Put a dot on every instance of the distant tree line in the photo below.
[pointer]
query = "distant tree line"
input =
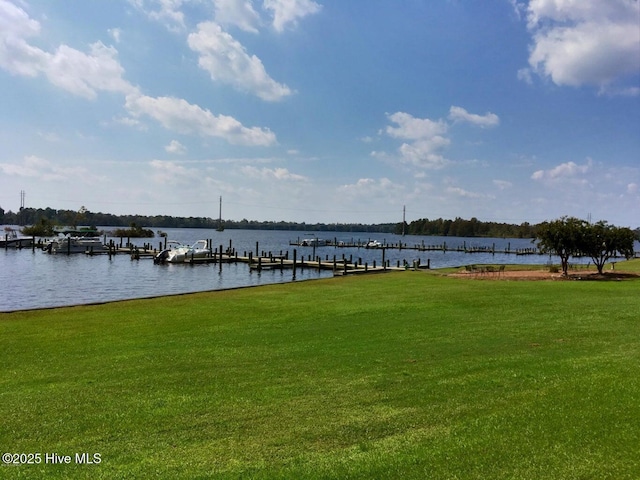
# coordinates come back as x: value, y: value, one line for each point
x: 469, y: 228
x: 49, y: 217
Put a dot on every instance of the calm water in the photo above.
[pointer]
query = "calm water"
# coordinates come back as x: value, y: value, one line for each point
x: 37, y: 280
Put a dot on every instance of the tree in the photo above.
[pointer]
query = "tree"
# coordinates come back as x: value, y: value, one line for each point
x: 44, y: 228
x: 602, y: 241
x: 562, y: 237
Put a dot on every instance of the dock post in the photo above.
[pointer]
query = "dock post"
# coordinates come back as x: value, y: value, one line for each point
x: 257, y: 251
x: 384, y: 265
x: 295, y: 255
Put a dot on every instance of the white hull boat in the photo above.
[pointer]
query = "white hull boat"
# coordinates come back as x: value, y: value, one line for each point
x: 179, y: 253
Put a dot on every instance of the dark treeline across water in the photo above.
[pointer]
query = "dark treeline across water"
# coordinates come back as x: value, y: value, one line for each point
x: 32, y: 216
x: 441, y: 227
x: 458, y: 227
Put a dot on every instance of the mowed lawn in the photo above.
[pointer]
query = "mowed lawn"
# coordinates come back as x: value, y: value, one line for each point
x: 399, y: 375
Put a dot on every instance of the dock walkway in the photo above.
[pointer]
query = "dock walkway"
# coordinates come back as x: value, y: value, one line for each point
x: 421, y: 247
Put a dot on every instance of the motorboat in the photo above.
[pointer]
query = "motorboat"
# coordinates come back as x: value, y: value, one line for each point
x: 180, y: 253
x: 311, y: 242
x: 373, y: 244
x: 89, y: 245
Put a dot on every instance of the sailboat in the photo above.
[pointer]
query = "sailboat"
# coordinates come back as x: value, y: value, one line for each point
x: 220, y: 225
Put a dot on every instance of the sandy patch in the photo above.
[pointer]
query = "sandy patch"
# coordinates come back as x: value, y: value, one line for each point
x: 544, y: 275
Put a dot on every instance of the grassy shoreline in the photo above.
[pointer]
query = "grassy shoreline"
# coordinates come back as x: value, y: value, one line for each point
x: 404, y: 375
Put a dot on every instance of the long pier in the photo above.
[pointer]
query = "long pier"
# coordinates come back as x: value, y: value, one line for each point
x: 421, y: 247
x: 269, y: 261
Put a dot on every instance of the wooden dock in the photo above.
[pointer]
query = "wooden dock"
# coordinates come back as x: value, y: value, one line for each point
x: 19, y: 242
x: 420, y: 247
x: 282, y: 262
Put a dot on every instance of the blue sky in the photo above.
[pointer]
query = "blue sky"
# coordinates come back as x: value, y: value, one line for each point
x: 323, y: 111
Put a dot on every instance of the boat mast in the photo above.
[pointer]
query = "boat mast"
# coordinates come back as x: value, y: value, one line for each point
x: 404, y: 211
x: 220, y: 227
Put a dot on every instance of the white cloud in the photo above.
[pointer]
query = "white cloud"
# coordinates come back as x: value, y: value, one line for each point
x: 426, y: 137
x: 115, y: 33
x: 502, y: 184
x: 83, y: 74
x: 130, y: 122
x: 49, y: 137
x: 176, y: 148
x: 172, y: 173
x: 228, y: 62
x: 371, y: 188
x: 16, y: 55
x: 461, y: 192
x: 180, y: 116
x: 279, y: 174
x: 42, y: 169
x: 31, y: 166
x: 632, y: 188
x: 287, y: 12
x: 459, y: 114
x: 166, y: 12
x: 563, y: 172
x: 585, y: 42
x: 411, y: 128
x: 424, y: 153
x: 237, y: 12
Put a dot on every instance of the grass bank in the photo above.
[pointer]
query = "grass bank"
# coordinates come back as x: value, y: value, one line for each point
x: 404, y: 375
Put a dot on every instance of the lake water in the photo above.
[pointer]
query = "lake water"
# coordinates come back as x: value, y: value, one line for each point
x: 34, y: 279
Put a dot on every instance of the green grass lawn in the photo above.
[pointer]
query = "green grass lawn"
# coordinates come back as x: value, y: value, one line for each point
x: 401, y: 375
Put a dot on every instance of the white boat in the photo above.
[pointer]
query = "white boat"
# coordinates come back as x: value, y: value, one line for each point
x: 310, y: 242
x: 179, y: 253
x: 373, y: 244
x: 76, y: 245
